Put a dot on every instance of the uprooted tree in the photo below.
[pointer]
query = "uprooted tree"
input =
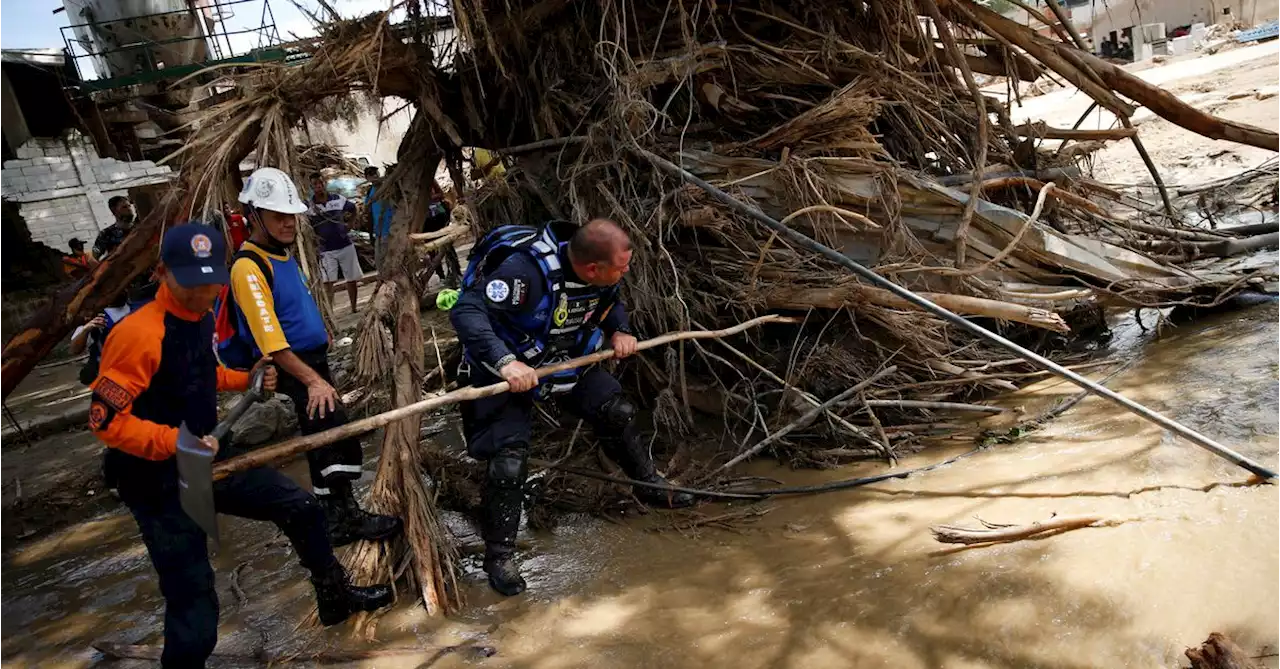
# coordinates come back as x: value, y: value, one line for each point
x: 861, y: 125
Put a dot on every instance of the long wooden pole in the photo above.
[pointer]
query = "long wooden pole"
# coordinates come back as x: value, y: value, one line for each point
x: 292, y: 447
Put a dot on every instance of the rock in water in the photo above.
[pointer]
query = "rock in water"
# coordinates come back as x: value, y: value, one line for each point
x: 1243, y: 300
x: 265, y: 422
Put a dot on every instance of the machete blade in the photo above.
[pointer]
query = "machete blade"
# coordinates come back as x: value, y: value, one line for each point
x: 195, y: 482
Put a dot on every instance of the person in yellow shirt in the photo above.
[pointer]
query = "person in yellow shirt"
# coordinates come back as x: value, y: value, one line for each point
x: 276, y: 315
x: 488, y: 165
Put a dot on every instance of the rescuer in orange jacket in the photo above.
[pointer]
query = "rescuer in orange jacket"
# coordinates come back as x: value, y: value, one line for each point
x: 159, y: 371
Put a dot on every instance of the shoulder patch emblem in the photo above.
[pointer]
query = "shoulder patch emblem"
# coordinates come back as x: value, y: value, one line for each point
x: 561, y: 315
x: 497, y: 290
x: 97, y: 416
x: 113, y: 394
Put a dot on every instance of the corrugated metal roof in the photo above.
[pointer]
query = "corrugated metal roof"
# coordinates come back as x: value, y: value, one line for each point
x: 37, y: 57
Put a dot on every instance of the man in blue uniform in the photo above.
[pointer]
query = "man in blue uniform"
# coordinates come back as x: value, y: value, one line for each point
x: 533, y: 297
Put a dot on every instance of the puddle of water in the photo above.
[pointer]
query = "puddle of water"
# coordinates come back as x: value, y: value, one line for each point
x: 837, y: 580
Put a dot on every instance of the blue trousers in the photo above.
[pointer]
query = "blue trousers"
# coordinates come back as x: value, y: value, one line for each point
x: 181, y: 560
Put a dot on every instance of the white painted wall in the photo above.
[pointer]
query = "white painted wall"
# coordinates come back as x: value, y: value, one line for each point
x: 63, y: 187
x: 1173, y: 13
x: 370, y: 138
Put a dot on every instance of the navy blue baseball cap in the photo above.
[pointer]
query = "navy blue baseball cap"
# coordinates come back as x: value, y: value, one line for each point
x: 196, y: 254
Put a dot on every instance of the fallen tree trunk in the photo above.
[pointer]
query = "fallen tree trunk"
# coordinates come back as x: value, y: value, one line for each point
x: 1220, y: 652
x: 289, y: 448
x: 1223, y: 248
x: 1101, y: 80
x: 1249, y: 229
x: 78, y: 303
x: 399, y: 487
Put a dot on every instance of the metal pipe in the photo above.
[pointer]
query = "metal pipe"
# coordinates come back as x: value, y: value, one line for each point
x: 1030, y: 356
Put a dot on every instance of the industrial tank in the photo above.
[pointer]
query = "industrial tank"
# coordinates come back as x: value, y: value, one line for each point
x: 131, y: 37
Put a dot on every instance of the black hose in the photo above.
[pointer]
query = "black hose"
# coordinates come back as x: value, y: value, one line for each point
x: 843, y: 484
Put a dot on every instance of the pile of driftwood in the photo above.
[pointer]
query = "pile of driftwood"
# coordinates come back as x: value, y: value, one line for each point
x: 860, y: 125
x: 863, y: 128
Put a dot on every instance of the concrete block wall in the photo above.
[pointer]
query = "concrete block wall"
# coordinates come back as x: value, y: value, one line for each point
x: 63, y: 186
x: 60, y: 219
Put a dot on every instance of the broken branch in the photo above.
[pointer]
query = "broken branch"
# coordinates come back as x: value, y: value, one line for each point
x: 805, y: 419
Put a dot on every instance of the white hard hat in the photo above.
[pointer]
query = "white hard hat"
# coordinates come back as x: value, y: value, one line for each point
x: 269, y: 188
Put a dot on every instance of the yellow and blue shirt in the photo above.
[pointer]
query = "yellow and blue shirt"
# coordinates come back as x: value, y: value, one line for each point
x: 279, y: 311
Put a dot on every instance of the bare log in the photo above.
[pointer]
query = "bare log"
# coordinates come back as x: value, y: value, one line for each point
x: 991, y: 533
x: 400, y: 487
x: 289, y: 448
x: 1060, y: 57
x: 1220, y: 652
x: 835, y: 298
x: 1223, y: 248
x: 1249, y: 229
x: 1042, y: 130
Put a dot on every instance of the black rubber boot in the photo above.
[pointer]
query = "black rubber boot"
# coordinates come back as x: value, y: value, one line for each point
x: 503, y: 501
x: 337, y: 599
x: 666, y: 499
x: 630, y: 454
x: 348, y: 523
x: 504, y: 573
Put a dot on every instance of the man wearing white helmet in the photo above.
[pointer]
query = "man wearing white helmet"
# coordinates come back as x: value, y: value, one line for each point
x: 275, y: 314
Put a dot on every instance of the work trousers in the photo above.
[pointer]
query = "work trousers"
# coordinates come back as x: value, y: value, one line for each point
x: 491, y: 424
x: 336, y: 465
x: 498, y: 429
x: 177, y: 548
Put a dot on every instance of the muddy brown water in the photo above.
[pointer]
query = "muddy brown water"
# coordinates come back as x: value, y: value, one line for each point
x: 849, y: 579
